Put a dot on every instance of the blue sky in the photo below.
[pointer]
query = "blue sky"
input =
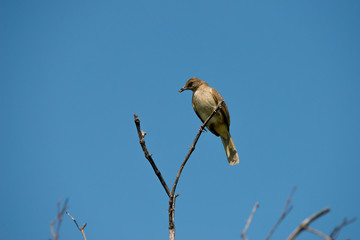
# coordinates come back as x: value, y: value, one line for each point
x: 73, y: 73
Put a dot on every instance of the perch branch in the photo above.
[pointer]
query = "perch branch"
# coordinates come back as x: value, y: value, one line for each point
x: 304, y: 224
x: 149, y: 157
x: 173, y: 196
x: 192, y: 148
x: 243, y: 233
x: 285, y: 211
x: 77, y: 225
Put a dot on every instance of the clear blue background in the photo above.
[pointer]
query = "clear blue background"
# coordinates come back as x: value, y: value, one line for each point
x: 73, y: 73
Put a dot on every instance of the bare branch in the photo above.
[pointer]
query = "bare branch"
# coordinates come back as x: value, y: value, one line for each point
x: 173, y: 196
x: 334, y: 234
x: 80, y: 228
x: 317, y: 232
x: 58, y: 219
x: 304, y: 224
x: 192, y: 148
x: 243, y: 233
x: 149, y: 156
x: 285, y: 211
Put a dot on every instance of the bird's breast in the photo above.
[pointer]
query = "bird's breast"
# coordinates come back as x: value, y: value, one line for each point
x: 204, y: 103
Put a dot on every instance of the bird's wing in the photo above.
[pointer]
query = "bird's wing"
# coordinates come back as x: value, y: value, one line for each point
x: 223, y: 110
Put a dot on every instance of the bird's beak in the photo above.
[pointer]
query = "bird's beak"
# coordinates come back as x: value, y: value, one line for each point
x: 183, y: 89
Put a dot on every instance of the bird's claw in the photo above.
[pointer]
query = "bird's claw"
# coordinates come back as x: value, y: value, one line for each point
x: 204, y: 129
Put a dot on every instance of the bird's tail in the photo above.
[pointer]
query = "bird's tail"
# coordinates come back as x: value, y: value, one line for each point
x: 230, y: 150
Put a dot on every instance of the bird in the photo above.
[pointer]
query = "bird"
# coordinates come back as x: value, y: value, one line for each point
x: 204, y: 100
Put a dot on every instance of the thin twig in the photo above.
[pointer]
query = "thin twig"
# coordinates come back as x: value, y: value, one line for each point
x: 77, y: 225
x: 149, y: 156
x: 248, y: 222
x: 285, y: 211
x: 58, y: 219
x: 334, y: 234
x: 317, y: 232
x: 304, y: 224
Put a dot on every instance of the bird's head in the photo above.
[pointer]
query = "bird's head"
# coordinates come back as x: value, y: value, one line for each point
x: 192, y: 84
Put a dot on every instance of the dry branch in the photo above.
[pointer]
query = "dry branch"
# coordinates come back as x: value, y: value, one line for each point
x: 172, y: 196
x: 77, y: 225
x: 248, y: 222
x: 334, y: 234
x: 305, y: 224
x: 285, y: 211
x: 148, y: 156
x: 317, y: 232
x: 58, y: 219
x: 192, y: 147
